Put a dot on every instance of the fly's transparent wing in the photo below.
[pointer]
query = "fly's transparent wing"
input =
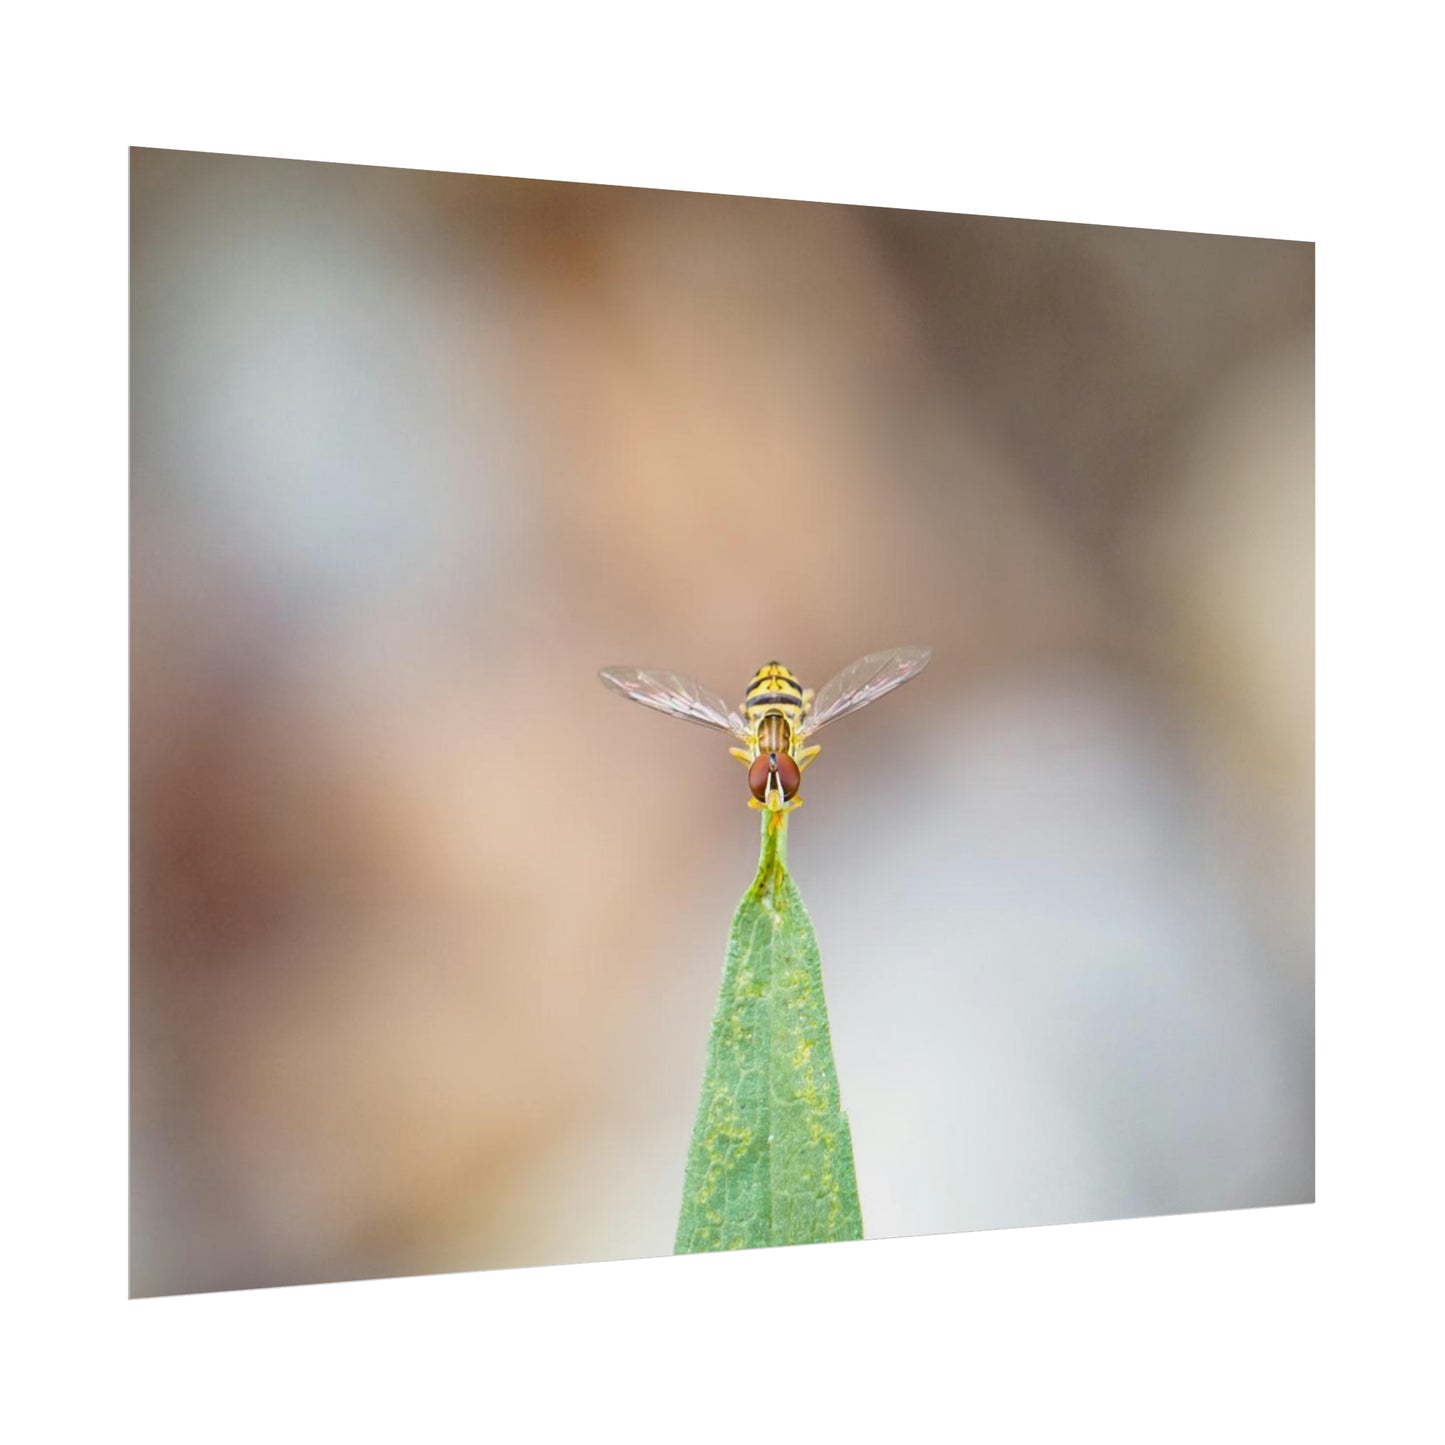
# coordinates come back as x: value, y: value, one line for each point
x: 674, y: 694
x: 863, y: 682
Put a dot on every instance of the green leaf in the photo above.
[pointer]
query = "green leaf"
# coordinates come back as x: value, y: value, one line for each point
x: 771, y: 1160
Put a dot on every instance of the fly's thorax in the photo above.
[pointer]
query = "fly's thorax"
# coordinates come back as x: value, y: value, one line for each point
x: 775, y: 733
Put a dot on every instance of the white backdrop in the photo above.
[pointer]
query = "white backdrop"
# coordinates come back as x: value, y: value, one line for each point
x: 1248, y: 119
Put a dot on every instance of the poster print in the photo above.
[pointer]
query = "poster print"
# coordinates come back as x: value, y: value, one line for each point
x: 444, y: 959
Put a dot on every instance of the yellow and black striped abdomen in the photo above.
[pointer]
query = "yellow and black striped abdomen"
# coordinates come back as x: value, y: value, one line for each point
x: 774, y: 691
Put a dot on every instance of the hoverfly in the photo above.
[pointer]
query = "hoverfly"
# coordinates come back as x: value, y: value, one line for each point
x: 778, y: 715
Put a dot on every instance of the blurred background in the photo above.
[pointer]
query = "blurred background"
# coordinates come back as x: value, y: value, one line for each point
x: 428, y: 926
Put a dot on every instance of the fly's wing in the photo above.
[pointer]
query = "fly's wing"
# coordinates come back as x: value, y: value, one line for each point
x: 863, y: 682
x: 674, y: 694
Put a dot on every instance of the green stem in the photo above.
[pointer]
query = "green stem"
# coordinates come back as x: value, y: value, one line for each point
x: 773, y: 857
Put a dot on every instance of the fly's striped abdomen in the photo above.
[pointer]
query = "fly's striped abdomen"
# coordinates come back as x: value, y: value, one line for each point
x: 774, y: 689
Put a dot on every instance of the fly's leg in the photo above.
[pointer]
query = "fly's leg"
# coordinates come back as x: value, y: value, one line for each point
x: 775, y: 803
x: 746, y: 755
x: 775, y: 821
x: 806, y: 756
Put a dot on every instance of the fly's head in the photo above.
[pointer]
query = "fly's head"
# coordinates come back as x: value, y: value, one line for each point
x: 774, y: 778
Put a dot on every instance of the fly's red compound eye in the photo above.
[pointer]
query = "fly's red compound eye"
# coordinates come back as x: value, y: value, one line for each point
x: 789, y: 775
x: 758, y: 776
x: 765, y: 766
